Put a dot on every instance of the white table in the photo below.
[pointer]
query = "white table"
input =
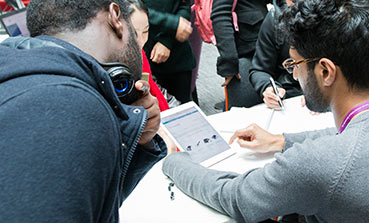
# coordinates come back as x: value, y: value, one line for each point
x: 151, y: 202
x: 3, y: 36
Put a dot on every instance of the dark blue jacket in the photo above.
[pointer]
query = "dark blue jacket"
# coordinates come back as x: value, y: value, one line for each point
x: 68, y: 147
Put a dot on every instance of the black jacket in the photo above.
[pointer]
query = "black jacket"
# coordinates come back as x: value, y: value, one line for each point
x: 68, y: 148
x: 233, y: 45
x: 271, y: 51
x: 164, y: 18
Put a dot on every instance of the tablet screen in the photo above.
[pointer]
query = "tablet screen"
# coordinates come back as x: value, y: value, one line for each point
x: 15, y: 23
x: 194, y: 134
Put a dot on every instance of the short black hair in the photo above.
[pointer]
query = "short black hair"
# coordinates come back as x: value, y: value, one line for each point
x: 333, y: 29
x: 48, y: 17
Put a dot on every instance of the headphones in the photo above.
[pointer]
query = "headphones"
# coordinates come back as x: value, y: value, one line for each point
x: 123, y: 82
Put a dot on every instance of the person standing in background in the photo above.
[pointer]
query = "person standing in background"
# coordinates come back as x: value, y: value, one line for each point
x: 139, y: 13
x: 170, y: 54
x: 236, y: 49
x: 271, y: 51
x: 196, y: 44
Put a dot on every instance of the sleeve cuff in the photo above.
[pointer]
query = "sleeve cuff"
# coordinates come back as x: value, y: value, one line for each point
x: 288, y: 143
x: 166, y: 41
x: 156, y: 146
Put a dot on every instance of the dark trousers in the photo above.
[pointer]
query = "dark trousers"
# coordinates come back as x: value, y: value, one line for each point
x: 177, y: 84
x: 240, y: 92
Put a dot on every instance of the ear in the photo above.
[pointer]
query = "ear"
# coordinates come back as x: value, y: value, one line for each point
x: 114, y: 19
x: 327, y: 71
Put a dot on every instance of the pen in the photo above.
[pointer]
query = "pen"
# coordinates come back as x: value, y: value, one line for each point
x: 276, y: 92
x: 269, y: 120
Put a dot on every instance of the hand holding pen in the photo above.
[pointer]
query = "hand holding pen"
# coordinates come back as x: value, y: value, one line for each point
x: 273, y: 96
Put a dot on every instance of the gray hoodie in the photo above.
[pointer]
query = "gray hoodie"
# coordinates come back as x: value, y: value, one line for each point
x: 320, y: 174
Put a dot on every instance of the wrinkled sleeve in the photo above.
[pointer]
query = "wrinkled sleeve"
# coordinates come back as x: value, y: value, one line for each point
x: 221, y: 17
x: 264, y: 62
x: 291, y: 138
x: 281, y: 187
x: 169, y: 22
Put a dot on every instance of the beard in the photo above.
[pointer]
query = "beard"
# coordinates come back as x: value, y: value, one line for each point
x: 130, y: 54
x: 315, y: 100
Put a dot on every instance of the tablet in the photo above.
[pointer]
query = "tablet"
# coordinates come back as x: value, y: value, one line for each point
x: 189, y: 128
x: 15, y: 23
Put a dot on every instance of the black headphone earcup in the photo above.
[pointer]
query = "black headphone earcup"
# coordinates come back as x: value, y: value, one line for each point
x: 123, y: 81
x: 116, y: 71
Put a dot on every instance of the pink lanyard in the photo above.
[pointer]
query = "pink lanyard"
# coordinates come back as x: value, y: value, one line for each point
x: 352, y: 113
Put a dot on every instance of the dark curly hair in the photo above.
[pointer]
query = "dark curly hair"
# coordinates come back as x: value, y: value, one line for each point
x: 334, y: 29
x: 48, y: 17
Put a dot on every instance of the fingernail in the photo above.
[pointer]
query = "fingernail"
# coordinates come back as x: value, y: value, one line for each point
x: 139, y: 85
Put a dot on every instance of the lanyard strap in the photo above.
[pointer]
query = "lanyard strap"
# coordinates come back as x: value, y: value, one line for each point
x: 352, y: 113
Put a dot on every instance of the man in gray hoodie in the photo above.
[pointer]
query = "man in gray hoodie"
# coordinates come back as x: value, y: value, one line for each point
x: 322, y: 174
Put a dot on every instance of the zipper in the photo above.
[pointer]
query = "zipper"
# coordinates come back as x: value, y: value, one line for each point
x: 134, y: 145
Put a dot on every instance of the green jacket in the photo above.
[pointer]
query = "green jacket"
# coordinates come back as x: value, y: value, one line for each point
x: 164, y: 18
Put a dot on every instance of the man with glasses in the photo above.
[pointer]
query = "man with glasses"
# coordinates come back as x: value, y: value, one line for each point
x: 320, y: 174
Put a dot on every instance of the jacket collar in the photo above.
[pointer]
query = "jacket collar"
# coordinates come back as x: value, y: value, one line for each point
x: 71, y: 61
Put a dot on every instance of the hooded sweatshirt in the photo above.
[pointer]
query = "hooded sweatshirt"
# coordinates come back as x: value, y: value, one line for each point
x: 68, y: 148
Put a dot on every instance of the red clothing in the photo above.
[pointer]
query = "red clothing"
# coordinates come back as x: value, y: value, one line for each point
x: 5, y: 7
x: 154, y: 89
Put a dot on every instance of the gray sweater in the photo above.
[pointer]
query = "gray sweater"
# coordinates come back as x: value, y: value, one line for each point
x: 321, y: 175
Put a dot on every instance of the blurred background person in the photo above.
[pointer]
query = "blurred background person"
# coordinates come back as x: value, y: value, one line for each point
x: 236, y: 49
x: 271, y: 51
x: 139, y: 17
x: 170, y: 54
x: 196, y: 45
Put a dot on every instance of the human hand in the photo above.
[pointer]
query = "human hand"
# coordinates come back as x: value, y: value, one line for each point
x: 171, y: 146
x: 184, y: 29
x: 271, y: 99
x: 254, y: 137
x: 303, y: 103
x: 228, y: 80
x: 150, y: 104
x: 159, y: 53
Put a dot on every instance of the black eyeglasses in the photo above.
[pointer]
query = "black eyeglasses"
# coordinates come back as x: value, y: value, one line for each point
x: 290, y: 63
